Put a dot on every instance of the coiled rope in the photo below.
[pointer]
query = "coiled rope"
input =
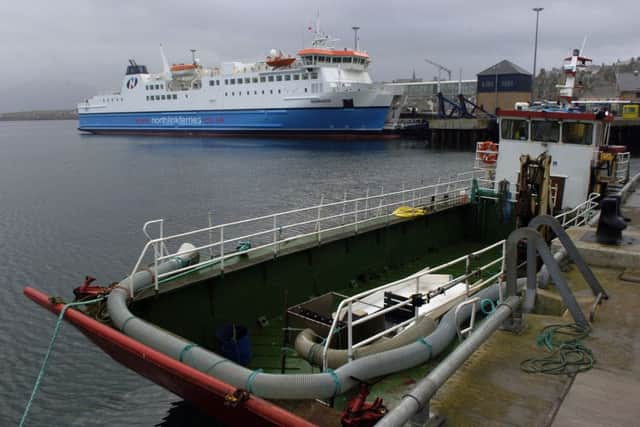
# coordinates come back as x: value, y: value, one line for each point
x: 568, y: 356
x: 43, y: 367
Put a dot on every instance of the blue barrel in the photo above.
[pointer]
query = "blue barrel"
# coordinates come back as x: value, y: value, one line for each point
x: 235, y: 344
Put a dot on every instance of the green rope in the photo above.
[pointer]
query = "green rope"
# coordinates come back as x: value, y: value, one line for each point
x: 569, y: 356
x: 43, y: 367
x: 427, y: 344
x: 252, y: 378
x: 184, y: 351
x: 483, y: 306
x: 336, y: 381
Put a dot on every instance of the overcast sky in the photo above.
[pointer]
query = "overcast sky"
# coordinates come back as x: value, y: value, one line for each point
x: 56, y: 52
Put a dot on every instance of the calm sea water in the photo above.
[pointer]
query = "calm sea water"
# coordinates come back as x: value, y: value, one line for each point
x: 72, y: 205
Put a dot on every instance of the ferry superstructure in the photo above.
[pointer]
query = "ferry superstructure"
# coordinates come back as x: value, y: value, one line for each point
x: 321, y: 90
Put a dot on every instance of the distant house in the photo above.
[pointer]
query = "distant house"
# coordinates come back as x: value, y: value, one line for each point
x: 502, y: 85
x: 628, y: 85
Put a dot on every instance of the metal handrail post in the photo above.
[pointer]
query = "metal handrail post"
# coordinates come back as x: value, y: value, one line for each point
x: 366, y: 204
x: 210, y: 219
x: 350, y: 331
x: 319, y: 216
x: 222, y: 249
x: 275, y: 234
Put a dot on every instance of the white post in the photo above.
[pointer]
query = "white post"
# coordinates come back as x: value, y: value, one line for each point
x: 318, y: 220
x: 222, y: 248
x: 275, y: 234
x: 356, y: 215
x: 381, y: 200
x: 344, y: 207
x: 210, y: 218
x: 366, y: 204
x: 349, y: 332
x: 155, y: 266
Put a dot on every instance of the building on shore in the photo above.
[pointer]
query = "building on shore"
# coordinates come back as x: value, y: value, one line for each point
x: 502, y: 85
x: 628, y: 85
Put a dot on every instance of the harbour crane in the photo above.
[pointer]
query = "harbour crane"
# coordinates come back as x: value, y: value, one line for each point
x: 440, y: 68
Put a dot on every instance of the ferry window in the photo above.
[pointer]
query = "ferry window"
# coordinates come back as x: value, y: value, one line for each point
x: 239, y: 93
x: 239, y: 81
x: 175, y: 96
x: 226, y: 94
x: 217, y: 82
x: 147, y: 97
x: 254, y: 79
x: 271, y: 91
x: 270, y: 78
x: 161, y: 86
x: 314, y: 75
x: 233, y: 94
x: 347, y: 60
x: 514, y: 129
x: 305, y: 77
x: 278, y: 78
x: 279, y: 91
x: 211, y: 83
x: 263, y: 79
x: 232, y: 81
x: 305, y: 90
x: 336, y: 60
x: 157, y: 97
x: 296, y: 77
x: 545, y: 131
x: 162, y: 97
x: 577, y: 133
x: 226, y: 81
x: 263, y: 92
x: 255, y: 92
x: 247, y: 80
x: 248, y: 93
x: 287, y: 77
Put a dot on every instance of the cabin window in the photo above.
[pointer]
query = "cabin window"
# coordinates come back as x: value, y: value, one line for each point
x: 577, y: 133
x: 279, y: 91
x: 263, y: 79
x: 254, y: 80
x: 175, y: 96
x: 271, y: 91
x: 263, y: 92
x: 226, y: 81
x: 157, y: 97
x: 255, y: 92
x: 305, y: 77
x: 270, y: 78
x: 514, y: 129
x: 233, y: 94
x: 162, y: 97
x: 278, y: 78
x: 248, y: 93
x: 232, y: 81
x: 217, y: 82
x: 306, y: 90
x: 545, y: 131
x: 211, y: 83
x: 347, y: 60
x: 314, y: 75
x: 240, y: 81
x: 247, y: 80
x: 296, y: 77
x: 336, y: 60
x: 226, y: 94
x: 287, y: 77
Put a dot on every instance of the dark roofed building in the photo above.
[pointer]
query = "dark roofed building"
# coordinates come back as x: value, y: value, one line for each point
x: 502, y: 85
x: 628, y: 85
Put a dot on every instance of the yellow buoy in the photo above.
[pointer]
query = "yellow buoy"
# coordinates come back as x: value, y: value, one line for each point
x: 409, y: 212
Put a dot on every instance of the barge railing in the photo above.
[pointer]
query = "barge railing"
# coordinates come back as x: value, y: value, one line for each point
x: 275, y: 231
x: 470, y: 288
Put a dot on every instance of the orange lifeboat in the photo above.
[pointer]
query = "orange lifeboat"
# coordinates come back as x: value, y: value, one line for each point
x: 280, y: 61
x: 182, y: 67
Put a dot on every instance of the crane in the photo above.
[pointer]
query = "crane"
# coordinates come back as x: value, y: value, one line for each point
x: 440, y: 68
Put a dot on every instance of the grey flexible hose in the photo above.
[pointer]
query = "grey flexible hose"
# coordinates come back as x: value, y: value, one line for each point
x: 277, y: 386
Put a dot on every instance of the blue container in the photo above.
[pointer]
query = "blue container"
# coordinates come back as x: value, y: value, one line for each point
x: 235, y: 344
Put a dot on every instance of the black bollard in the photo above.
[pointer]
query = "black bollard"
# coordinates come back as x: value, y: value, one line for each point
x: 611, y: 223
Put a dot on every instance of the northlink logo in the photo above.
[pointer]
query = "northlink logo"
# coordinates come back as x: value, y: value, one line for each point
x: 132, y: 82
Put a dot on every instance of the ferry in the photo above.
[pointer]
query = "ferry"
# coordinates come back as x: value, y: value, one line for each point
x: 187, y: 312
x: 321, y: 90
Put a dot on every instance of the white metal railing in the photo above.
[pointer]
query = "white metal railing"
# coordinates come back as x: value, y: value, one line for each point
x: 463, y: 261
x: 276, y: 231
x: 623, y: 164
x: 581, y: 214
x: 575, y: 217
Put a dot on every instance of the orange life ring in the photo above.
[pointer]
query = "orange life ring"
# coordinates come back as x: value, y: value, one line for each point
x: 488, y: 158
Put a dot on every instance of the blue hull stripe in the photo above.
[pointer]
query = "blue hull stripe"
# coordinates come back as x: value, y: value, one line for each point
x: 298, y: 119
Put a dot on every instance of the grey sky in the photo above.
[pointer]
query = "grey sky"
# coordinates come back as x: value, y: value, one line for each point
x: 55, y: 53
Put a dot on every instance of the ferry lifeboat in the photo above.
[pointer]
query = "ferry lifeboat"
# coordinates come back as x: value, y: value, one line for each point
x: 183, y: 70
x: 277, y: 59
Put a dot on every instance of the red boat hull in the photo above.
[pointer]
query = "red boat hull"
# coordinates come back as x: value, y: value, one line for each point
x: 204, y: 391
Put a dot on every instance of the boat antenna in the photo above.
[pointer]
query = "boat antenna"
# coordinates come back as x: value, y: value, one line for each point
x: 584, y: 42
x: 165, y: 64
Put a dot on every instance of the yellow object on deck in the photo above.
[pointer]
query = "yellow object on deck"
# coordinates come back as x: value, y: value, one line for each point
x: 409, y: 212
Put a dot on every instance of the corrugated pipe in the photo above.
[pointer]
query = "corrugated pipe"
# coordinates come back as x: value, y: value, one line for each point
x: 277, y: 386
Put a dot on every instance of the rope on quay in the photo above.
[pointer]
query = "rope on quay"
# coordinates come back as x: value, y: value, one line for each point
x: 43, y: 367
x: 568, y: 356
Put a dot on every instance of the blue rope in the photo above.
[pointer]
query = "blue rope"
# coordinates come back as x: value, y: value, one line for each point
x: 212, y: 367
x: 336, y: 381
x: 124, y: 324
x: 426, y: 344
x: 252, y: 378
x: 43, y: 367
x: 483, y: 305
x: 184, y: 351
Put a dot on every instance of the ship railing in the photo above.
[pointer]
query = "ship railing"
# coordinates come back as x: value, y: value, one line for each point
x: 471, y: 277
x: 623, y: 165
x: 270, y: 234
x: 581, y: 214
x: 474, y: 278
